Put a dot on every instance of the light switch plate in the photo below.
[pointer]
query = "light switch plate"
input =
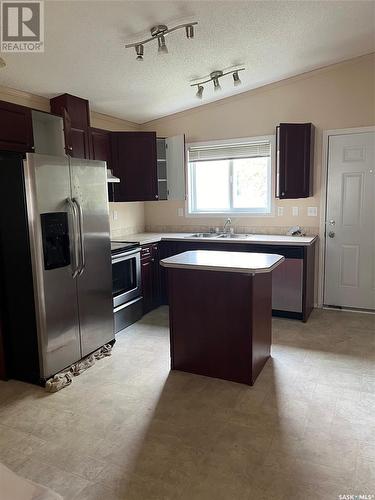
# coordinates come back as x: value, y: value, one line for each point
x: 180, y: 212
x: 280, y: 211
x: 312, y: 211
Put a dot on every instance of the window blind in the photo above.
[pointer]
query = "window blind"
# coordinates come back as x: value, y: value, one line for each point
x: 229, y: 151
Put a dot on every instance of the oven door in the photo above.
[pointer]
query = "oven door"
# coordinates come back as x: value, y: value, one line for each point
x: 126, y: 277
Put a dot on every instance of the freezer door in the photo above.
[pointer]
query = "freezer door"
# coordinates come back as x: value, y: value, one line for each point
x: 53, y: 238
x: 94, y: 282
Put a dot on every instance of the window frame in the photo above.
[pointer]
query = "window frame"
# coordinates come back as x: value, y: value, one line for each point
x: 234, y: 212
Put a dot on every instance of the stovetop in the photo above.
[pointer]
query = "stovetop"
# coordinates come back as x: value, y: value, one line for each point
x: 121, y: 246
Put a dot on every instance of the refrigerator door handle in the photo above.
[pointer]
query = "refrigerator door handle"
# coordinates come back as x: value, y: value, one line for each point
x: 75, y: 268
x: 81, y: 237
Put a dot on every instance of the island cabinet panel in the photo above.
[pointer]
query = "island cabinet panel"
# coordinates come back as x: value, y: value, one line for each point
x: 294, y: 160
x: 76, y: 115
x: 134, y: 161
x: 16, y: 128
x: 150, y: 274
x: 216, y: 333
x: 293, y: 291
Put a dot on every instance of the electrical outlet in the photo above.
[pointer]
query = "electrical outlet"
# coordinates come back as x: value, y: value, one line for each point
x: 280, y: 211
x: 115, y: 215
x: 312, y: 211
x: 180, y: 212
x: 295, y: 211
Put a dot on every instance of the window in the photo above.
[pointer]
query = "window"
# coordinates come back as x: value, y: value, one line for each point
x: 230, y: 177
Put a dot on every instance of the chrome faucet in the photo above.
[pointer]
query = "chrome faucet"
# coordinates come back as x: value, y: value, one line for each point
x: 227, y: 223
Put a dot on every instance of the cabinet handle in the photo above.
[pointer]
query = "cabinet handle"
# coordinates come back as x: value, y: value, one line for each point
x: 70, y: 148
x: 156, y: 196
x: 152, y: 260
x: 283, y: 193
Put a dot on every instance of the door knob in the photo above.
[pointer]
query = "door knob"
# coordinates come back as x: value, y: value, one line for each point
x: 332, y: 222
x: 331, y: 234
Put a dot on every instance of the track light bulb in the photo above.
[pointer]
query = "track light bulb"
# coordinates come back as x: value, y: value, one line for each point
x: 189, y: 31
x: 199, y: 93
x: 139, y: 50
x: 217, y: 85
x: 236, y: 79
x: 162, y: 46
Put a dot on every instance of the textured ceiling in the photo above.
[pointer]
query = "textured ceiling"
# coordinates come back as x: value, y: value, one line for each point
x: 85, y: 55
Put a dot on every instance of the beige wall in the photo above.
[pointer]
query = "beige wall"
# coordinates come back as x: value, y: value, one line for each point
x: 125, y: 218
x: 338, y: 96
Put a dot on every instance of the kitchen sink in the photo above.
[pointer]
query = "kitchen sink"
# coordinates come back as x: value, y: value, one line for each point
x: 202, y: 235
x: 232, y: 236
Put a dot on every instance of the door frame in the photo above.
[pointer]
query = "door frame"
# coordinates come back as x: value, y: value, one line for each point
x: 323, y: 199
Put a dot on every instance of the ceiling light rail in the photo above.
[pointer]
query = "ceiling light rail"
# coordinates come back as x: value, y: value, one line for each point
x: 214, y: 78
x: 159, y: 33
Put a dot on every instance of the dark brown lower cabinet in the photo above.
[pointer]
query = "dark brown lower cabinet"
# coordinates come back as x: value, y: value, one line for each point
x: 150, y: 273
x: 293, y: 254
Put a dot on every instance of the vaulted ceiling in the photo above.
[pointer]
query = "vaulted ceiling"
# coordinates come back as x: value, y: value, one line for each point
x: 85, y: 55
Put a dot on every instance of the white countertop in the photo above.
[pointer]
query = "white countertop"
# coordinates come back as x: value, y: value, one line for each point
x: 269, y: 239
x: 233, y: 262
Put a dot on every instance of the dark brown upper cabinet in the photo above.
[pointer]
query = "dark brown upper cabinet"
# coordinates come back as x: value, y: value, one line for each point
x: 100, y: 145
x: 294, y: 160
x: 16, y: 129
x: 133, y: 160
x: 76, y: 114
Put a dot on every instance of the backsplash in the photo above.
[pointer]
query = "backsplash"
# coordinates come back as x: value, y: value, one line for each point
x: 201, y: 228
x: 126, y: 218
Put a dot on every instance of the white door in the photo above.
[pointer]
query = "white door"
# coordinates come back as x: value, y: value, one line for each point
x: 350, y: 222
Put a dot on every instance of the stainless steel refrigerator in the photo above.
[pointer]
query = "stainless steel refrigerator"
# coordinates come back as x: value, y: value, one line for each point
x: 56, y: 281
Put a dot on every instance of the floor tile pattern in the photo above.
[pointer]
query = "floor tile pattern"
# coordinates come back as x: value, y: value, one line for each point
x: 130, y: 429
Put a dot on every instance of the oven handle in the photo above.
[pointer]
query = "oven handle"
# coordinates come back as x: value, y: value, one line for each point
x: 127, y: 304
x: 125, y: 255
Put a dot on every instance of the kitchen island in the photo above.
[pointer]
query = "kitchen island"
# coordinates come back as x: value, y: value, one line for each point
x: 221, y: 312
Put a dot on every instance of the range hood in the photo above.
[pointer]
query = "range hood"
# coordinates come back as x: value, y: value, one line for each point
x: 111, y: 177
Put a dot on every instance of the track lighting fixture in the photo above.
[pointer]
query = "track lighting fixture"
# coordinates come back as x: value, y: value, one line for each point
x: 2, y: 63
x: 139, y: 50
x: 200, y: 90
x: 162, y: 48
x: 189, y: 31
x: 214, y: 78
x: 215, y: 75
x: 236, y: 79
x: 159, y: 32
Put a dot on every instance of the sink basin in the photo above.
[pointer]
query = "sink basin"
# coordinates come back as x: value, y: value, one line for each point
x: 233, y: 236
x: 202, y: 235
